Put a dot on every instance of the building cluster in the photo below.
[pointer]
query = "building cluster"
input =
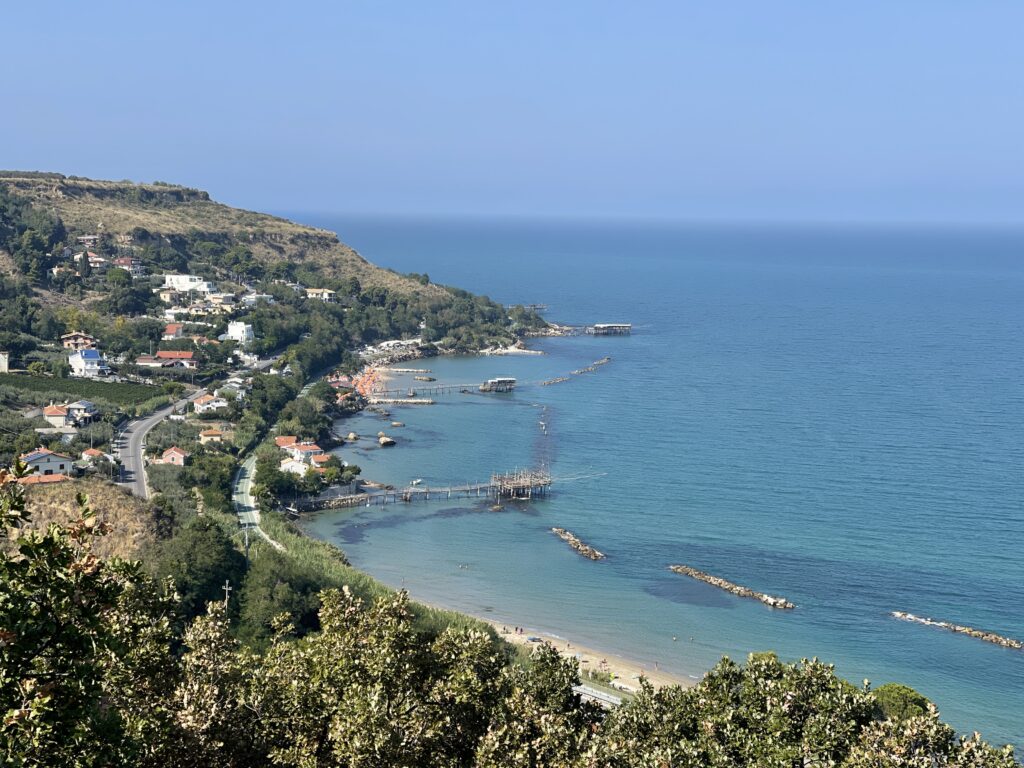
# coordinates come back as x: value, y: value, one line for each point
x: 301, y: 456
x: 46, y: 466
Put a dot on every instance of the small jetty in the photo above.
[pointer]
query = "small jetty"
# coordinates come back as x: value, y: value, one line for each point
x: 400, y: 401
x: 500, y: 384
x: 609, y: 329
x: 424, y: 378
x: 980, y: 634
x: 573, y: 541
x: 408, y: 370
x: 770, y: 600
x: 557, y: 380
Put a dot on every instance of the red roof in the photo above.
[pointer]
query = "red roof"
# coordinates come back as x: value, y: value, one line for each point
x: 95, y: 453
x: 204, y: 399
x: 173, y: 354
x: 307, y: 448
x: 41, y: 479
x: 55, y: 410
x: 210, y: 433
x: 174, y: 451
x: 321, y: 458
x: 173, y: 327
x: 285, y: 440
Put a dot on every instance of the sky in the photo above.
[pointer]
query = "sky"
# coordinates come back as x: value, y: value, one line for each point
x: 786, y: 110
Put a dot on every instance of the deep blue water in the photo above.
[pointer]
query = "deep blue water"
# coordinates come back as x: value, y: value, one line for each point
x: 832, y: 415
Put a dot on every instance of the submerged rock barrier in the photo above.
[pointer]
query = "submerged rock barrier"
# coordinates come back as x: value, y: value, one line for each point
x: 770, y: 600
x: 584, y: 549
x: 980, y: 634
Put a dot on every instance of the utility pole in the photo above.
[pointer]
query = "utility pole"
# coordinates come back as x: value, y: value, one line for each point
x: 227, y: 592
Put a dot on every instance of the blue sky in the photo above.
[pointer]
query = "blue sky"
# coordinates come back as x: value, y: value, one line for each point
x: 745, y: 109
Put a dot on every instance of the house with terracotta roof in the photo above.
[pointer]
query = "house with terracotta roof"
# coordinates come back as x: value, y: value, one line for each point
x: 175, y: 455
x: 173, y: 331
x: 77, y: 340
x: 284, y: 441
x: 92, y: 454
x: 320, y: 460
x: 46, y: 462
x: 303, y: 451
x: 210, y: 436
x: 294, y: 466
x: 57, y: 415
x: 37, y: 479
x: 177, y: 358
x: 207, y: 403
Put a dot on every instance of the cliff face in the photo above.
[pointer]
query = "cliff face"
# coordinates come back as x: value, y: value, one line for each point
x: 118, y: 207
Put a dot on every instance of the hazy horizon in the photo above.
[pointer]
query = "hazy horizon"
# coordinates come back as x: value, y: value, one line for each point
x: 745, y: 112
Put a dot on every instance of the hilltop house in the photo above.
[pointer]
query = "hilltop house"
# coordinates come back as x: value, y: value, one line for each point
x: 177, y: 358
x: 77, y: 340
x: 321, y: 294
x: 46, y: 462
x: 92, y: 455
x: 88, y: 363
x: 208, y: 403
x: 168, y: 295
x: 95, y: 260
x: 130, y: 265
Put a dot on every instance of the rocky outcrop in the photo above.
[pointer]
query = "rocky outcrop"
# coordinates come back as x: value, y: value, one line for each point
x: 584, y: 549
x: 980, y: 634
x: 770, y: 600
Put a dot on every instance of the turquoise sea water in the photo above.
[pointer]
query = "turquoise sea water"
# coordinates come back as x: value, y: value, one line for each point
x: 835, y: 416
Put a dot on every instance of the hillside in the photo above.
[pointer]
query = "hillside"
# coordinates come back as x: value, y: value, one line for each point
x: 119, y: 207
x: 131, y: 529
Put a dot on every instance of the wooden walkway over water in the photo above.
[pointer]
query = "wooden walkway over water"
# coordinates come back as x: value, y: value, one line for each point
x: 520, y: 484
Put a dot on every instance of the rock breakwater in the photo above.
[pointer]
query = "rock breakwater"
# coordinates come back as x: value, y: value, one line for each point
x: 980, y: 634
x: 770, y: 600
x: 573, y: 541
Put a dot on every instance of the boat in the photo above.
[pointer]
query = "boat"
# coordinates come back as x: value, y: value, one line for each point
x: 411, y: 393
x: 417, y: 481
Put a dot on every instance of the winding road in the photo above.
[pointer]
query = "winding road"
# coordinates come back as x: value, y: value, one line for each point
x: 130, y: 446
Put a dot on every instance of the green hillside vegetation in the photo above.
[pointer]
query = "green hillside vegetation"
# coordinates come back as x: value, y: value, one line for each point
x: 169, y: 210
x: 99, y: 668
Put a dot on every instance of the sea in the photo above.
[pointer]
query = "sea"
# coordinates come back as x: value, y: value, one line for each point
x: 834, y: 415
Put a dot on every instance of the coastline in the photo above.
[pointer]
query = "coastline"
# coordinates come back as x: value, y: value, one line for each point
x: 625, y: 672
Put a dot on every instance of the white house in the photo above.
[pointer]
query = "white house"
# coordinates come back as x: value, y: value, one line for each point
x: 208, y: 403
x: 186, y: 283
x: 88, y: 363
x: 240, y: 332
x: 321, y: 294
x: 82, y: 411
x: 252, y: 299
x: 46, y: 462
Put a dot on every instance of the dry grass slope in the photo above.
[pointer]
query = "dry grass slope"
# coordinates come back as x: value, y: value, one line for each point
x: 118, y: 207
x: 131, y: 530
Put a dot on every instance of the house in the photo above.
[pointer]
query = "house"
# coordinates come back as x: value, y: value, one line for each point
x: 207, y: 403
x: 174, y: 455
x: 168, y: 295
x: 241, y: 333
x: 224, y: 300
x: 130, y: 265
x: 284, y: 441
x: 95, y: 260
x: 77, y: 340
x: 303, y: 451
x: 148, y: 361
x: 294, y: 466
x: 321, y: 294
x: 82, y: 411
x: 186, y: 283
x: 46, y: 462
x: 87, y: 240
x: 37, y: 479
x: 320, y: 460
x: 92, y: 455
x: 210, y: 436
x: 177, y: 358
x: 252, y: 299
x: 88, y: 363
x: 56, y: 415
x: 61, y: 269
x: 173, y: 331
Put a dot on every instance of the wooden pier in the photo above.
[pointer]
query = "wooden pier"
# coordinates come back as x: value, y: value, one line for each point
x: 520, y: 484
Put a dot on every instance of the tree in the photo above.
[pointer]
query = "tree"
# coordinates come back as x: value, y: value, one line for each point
x: 199, y: 559
x: 899, y: 702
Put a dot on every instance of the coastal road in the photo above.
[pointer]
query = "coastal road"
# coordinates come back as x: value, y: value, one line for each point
x: 245, y: 505
x: 130, y: 445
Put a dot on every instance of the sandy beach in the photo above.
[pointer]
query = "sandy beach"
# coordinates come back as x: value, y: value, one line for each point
x: 625, y: 673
